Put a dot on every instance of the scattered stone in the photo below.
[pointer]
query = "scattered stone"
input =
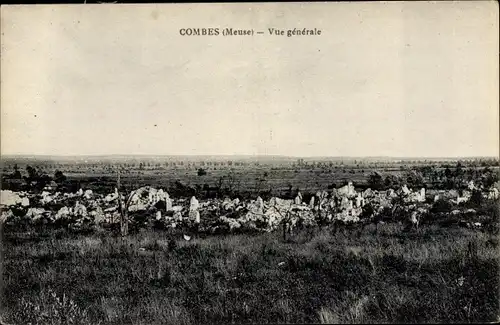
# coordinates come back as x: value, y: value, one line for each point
x: 88, y: 194
x: 298, y: 199
x: 311, y: 203
x: 98, y: 215
x: 343, y: 204
x: 168, y: 203
x: 63, y: 213
x: 348, y: 190
x: 260, y: 204
x: 35, y: 213
x: 10, y: 198
x: 194, y: 214
x: 233, y: 224
x: 79, y: 210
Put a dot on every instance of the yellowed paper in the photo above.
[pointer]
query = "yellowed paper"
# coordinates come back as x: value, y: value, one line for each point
x: 250, y: 163
x: 375, y: 79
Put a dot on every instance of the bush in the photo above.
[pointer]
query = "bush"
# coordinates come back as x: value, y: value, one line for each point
x: 441, y: 206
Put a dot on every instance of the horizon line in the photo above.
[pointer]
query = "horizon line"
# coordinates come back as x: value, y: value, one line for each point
x: 238, y: 155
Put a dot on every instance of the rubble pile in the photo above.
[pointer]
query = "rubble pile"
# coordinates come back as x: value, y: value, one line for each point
x: 342, y: 205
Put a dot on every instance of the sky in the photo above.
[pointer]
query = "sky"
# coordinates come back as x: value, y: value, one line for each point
x: 383, y: 79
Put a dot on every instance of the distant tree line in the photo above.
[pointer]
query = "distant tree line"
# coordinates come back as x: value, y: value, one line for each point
x: 446, y: 178
x: 35, y: 179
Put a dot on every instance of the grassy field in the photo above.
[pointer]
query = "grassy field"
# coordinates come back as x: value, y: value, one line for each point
x: 241, y: 180
x: 316, y: 276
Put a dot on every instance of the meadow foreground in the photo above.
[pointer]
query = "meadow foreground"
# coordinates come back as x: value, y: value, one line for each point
x: 381, y: 273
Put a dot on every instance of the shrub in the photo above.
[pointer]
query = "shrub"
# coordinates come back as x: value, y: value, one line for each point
x: 441, y: 206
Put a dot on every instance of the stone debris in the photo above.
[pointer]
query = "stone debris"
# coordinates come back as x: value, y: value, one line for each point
x: 98, y: 215
x: 144, y: 198
x: 63, y: 213
x: 194, y: 204
x: 10, y: 198
x: 227, y: 204
x: 347, y: 191
x: 35, y: 213
x: 414, y: 219
x: 298, y: 199
x: 466, y: 195
x: 111, y: 197
x: 79, y: 210
x: 6, y: 215
x: 194, y: 214
x: 413, y: 197
x: 46, y: 197
x: 405, y: 190
x: 232, y: 223
x: 88, y: 194
x: 493, y: 194
x: 344, y: 204
x: 273, y: 217
x: 168, y: 203
x: 259, y: 204
x: 177, y: 216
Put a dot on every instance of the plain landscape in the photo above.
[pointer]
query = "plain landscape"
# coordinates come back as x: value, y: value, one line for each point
x: 150, y: 175
x: 231, y: 241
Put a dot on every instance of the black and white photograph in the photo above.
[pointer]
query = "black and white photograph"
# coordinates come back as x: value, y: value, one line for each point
x: 250, y: 163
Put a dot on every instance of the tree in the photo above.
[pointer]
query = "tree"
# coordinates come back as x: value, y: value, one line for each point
x: 375, y: 181
x: 59, y: 177
x: 201, y: 172
x: 32, y: 173
x: 489, y: 177
x: 17, y: 173
x: 392, y: 181
x: 36, y: 177
x: 123, y: 207
x: 414, y: 179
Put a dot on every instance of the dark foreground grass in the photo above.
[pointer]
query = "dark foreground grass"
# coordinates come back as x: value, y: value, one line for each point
x: 435, y: 275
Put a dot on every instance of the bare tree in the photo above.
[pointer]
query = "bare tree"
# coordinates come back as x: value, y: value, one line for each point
x: 123, y: 208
